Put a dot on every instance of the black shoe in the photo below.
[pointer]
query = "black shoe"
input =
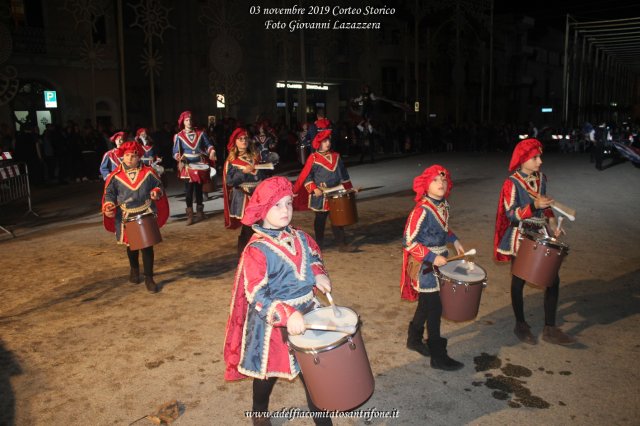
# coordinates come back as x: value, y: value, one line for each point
x: 440, y: 360
x: 522, y: 330
x: 446, y: 363
x: 415, y: 341
x: 419, y: 347
x: 151, y: 285
x: 134, y: 275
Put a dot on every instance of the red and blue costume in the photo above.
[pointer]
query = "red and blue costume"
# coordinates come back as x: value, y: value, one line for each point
x: 110, y: 160
x: 517, y: 211
x: 129, y: 190
x: 426, y: 235
x: 149, y: 155
x: 275, y: 278
x: 516, y: 205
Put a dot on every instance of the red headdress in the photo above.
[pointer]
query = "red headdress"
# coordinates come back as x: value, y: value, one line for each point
x: 130, y: 146
x: 524, y: 151
x: 182, y: 117
x: 323, y: 126
x: 421, y: 183
x: 140, y: 131
x: 235, y: 135
x: 266, y: 195
x: 116, y: 136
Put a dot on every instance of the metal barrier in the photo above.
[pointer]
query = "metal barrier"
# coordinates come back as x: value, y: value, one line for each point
x: 14, y: 186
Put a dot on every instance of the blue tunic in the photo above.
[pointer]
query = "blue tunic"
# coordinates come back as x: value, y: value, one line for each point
x: 327, y: 171
x: 277, y: 269
x: 242, y: 184
x: 517, y: 206
x: 426, y: 236
x: 130, y: 190
x: 192, y: 146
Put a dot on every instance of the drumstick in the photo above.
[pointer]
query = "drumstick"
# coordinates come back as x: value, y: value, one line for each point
x: 557, y: 206
x: 429, y: 268
x: 559, y: 227
x: 347, y: 329
x: 336, y: 311
x: 471, y: 252
x: 124, y: 202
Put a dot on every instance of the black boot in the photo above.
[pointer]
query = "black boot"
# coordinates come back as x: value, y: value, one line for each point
x: 134, y: 275
x: 439, y: 358
x: 415, y: 341
x: 151, y: 285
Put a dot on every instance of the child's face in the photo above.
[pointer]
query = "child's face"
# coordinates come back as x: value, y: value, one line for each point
x: 280, y: 214
x: 242, y: 143
x: 131, y: 159
x: 532, y: 165
x: 438, y: 187
x: 188, y: 124
x: 325, y: 145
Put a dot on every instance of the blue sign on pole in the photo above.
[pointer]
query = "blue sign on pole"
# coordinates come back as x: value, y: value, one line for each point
x: 50, y: 99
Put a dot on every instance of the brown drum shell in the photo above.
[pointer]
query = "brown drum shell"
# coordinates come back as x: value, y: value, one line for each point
x: 142, y: 231
x: 460, y: 302
x: 339, y: 378
x: 342, y: 209
x: 537, y: 263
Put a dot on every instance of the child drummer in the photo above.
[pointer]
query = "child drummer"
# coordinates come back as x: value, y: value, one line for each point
x: 516, y: 209
x: 130, y: 190
x: 425, y: 239
x: 323, y: 169
x: 279, y: 271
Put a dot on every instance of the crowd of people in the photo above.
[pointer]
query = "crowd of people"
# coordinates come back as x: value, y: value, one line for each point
x: 280, y: 268
x: 62, y: 154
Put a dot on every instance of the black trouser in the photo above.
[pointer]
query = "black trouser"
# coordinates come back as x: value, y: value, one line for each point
x: 245, y: 234
x: 262, y: 391
x: 550, y: 300
x: 319, y: 225
x: 598, y: 154
x: 147, y: 260
x: 429, y: 310
x: 189, y: 188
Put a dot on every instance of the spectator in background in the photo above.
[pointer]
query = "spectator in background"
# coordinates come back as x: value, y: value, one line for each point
x: 28, y: 149
x: 6, y: 138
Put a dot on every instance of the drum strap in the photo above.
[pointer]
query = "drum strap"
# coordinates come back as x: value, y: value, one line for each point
x: 127, y: 211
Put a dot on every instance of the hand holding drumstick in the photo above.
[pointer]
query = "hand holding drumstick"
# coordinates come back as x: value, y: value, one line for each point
x: 441, y: 260
x: 542, y: 202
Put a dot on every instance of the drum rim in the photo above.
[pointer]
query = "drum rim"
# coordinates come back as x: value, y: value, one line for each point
x: 198, y: 166
x: 332, y: 345
x: 442, y: 276
x: 342, y: 193
x: 139, y: 216
x: 546, y: 241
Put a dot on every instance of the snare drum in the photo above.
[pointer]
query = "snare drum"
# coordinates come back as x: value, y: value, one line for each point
x: 196, y: 172
x: 539, y: 258
x: 461, y: 285
x: 342, y: 208
x: 335, y: 365
x: 142, y: 231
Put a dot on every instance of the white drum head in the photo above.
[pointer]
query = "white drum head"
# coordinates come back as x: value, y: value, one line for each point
x: 545, y: 240
x: 199, y: 166
x: 461, y: 270
x: 324, y: 316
